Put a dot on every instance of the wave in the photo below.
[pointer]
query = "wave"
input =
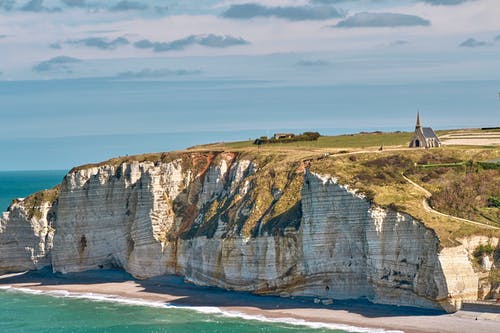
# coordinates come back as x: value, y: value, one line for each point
x: 202, y: 309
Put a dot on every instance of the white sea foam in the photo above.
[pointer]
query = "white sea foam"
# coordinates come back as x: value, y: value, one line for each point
x: 301, y: 322
x: 202, y: 309
x: 25, y: 290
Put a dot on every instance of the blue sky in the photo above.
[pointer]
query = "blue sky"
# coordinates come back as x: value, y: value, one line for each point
x: 84, y: 80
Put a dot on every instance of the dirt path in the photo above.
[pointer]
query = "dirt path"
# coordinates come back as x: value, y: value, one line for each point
x: 428, y: 208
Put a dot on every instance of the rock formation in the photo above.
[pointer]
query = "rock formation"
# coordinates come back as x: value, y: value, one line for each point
x: 239, y: 223
x: 26, y: 238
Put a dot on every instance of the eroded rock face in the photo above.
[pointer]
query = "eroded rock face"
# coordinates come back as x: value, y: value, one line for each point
x: 115, y: 217
x: 226, y: 221
x: 367, y: 251
x: 26, y: 239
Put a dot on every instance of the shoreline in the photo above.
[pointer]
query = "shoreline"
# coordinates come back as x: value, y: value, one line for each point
x: 118, y: 286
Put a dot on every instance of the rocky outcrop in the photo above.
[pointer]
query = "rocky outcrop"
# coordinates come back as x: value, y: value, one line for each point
x: 238, y: 223
x: 26, y: 238
x: 486, y: 266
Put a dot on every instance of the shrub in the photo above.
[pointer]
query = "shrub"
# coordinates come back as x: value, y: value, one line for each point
x: 306, y: 136
x: 259, y: 142
x: 483, y: 250
x: 488, y: 166
x: 493, y: 202
x: 430, y: 158
x: 393, y: 161
x: 311, y: 136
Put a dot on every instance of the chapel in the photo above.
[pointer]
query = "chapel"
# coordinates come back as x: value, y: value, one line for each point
x: 424, y: 137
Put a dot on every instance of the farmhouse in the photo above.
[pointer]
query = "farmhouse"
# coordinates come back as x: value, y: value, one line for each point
x: 279, y: 136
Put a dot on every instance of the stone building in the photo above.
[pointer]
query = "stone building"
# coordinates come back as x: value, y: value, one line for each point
x: 279, y: 136
x: 424, y: 137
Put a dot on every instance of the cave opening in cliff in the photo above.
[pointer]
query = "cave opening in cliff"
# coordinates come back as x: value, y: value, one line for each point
x: 83, y: 244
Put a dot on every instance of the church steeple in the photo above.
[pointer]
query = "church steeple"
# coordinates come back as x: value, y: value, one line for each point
x: 424, y: 137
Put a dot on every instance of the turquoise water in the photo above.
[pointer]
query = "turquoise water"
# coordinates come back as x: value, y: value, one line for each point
x: 21, y: 312
x: 19, y: 184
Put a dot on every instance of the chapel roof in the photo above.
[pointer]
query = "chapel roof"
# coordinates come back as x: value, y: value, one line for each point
x: 429, y: 133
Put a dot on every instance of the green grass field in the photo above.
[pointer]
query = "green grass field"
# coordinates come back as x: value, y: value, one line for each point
x: 360, y: 140
x: 364, y: 140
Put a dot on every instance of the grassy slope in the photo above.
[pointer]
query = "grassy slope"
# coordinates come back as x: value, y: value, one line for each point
x: 34, y: 201
x: 340, y: 141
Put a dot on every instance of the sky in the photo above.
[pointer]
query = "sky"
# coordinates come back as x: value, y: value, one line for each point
x: 85, y: 80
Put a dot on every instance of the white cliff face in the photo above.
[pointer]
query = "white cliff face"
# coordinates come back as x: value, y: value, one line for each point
x: 462, y: 281
x: 402, y: 260
x: 333, y: 240
x: 357, y: 250
x: 191, y: 218
x: 119, y: 217
x: 25, y: 241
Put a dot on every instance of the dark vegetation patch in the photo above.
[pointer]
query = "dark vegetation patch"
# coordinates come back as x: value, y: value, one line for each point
x: 384, y: 170
x: 430, y: 158
x: 484, y: 250
x: 493, y: 202
x: 306, y: 136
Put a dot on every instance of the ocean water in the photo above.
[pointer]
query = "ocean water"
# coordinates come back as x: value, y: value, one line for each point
x: 32, y: 311
x: 20, y: 184
x: 63, y: 123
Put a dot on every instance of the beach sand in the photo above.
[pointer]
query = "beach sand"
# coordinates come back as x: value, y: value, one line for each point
x: 173, y: 290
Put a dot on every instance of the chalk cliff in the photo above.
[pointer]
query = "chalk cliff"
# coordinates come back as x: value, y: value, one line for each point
x: 25, y: 237
x: 265, y: 225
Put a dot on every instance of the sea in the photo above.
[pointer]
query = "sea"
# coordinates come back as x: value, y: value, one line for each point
x: 51, y: 124
x: 20, y: 184
x: 31, y: 311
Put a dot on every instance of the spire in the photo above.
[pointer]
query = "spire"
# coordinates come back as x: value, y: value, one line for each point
x: 418, y: 120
